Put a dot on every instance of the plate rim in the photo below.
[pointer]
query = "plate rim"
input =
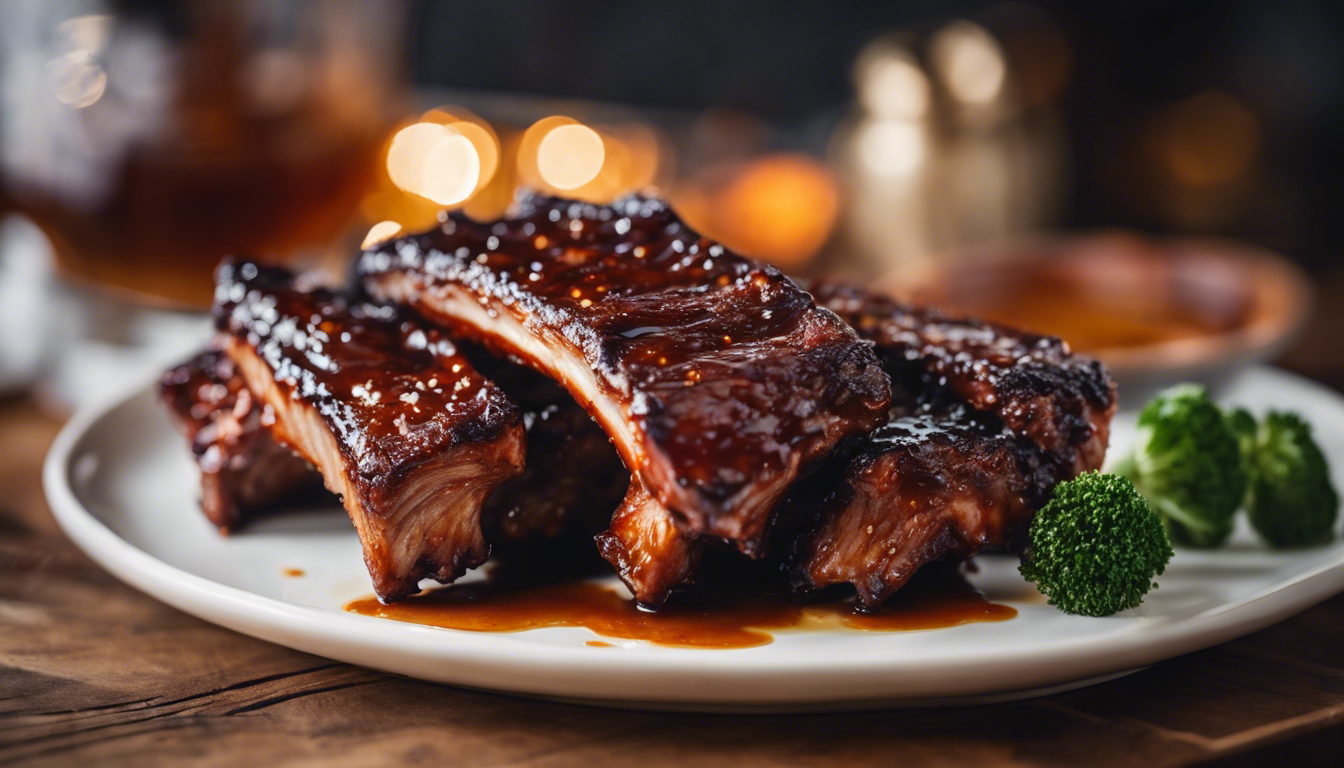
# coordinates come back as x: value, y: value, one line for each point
x: 738, y: 677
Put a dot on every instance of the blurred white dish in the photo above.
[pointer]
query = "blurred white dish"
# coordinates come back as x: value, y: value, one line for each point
x: 122, y: 485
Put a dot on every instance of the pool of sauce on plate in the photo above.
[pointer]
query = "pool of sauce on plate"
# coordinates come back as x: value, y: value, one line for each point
x: 694, y: 621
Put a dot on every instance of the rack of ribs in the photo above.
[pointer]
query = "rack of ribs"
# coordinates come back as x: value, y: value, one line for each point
x: 985, y: 421
x: 717, y: 378
x: 746, y: 410
x: 243, y: 470
x: 399, y: 424
x: 572, y: 481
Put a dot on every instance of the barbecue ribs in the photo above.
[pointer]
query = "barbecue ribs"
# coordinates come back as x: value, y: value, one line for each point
x: 243, y: 470
x: 985, y: 421
x: 717, y: 377
x: 400, y: 425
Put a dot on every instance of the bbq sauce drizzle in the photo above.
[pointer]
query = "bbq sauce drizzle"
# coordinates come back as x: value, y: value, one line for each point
x: 720, y: 620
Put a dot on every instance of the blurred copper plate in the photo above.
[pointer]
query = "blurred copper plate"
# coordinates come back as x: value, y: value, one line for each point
x: 1155, y: 311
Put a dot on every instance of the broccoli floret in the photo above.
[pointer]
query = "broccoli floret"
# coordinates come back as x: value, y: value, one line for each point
x: 1095, y: 548
x: 1292, y: 501
x: 1188, y: 464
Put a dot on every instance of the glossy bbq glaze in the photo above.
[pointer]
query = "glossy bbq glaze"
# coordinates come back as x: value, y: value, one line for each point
x: 740, y: 620
x: 243, y: 470
x: 650, y: 553
x: 926, y: 487
x: 717, y: 376
x: 400, y: 425
x: 944, y: 478
x: 391, y: 388
x: 986, y: 420
x: 1035, y: 384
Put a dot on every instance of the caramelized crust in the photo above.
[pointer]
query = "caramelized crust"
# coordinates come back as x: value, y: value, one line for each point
x: 923, y: 488
x: 399, y: 424
x: 717, y: 377
x: 1035, y: 384
x: 987, y: 421
x: 650, y: 554
x: 243, y: 470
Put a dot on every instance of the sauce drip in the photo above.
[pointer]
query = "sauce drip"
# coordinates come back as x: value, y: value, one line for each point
x: 698, y: 621
x: 293, y: 573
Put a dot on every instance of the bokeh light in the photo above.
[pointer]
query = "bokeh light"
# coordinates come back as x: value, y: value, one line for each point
x: 77, y: 79
x: 570, y: 156
x: 477, y: 130
x: 434, y: 161
x: 891, y: 84
x: 525, y: 155
x: 969, y: 62
x: 780, y: 208
x: 1207, y: 139
x: 406, y: 156
x: 890, y: 148
x: 452, y: 170
x: 383, y: 230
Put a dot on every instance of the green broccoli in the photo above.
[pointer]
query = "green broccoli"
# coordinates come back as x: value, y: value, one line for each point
x: 1292, y: 502
x: 1188, y: 463
x: 1096, y: 546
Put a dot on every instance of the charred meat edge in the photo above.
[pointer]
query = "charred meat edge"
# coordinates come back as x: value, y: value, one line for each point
x: 924, y: 488
x: 1061, y: 405
x: 243, y: 470
x: 650, y: 553
x: 988, y: 420
x: 1035, y: 384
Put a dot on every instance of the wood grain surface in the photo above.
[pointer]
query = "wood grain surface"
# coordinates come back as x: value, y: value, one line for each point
x: 93, y: 673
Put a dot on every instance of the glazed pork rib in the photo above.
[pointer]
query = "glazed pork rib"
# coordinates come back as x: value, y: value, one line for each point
x: 946, y: 477
x: 717, y: 377
x: 987, y: 420
x: 243, y: 470
x: 1062, y: 402
x: 400, y: 425
x: 927, y: 486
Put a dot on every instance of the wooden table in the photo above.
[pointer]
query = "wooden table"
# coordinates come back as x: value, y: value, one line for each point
x: 95, y: 673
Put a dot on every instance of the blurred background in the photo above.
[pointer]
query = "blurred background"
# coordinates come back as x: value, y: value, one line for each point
x: 1154, y: 181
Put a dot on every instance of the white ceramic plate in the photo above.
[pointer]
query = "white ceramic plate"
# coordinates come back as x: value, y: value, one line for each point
x: 122, y: 485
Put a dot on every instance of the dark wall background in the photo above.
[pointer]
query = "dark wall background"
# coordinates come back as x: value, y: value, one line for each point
x: 790, y: 61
